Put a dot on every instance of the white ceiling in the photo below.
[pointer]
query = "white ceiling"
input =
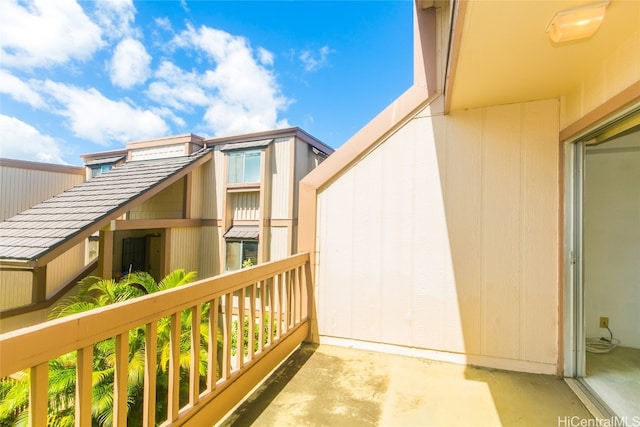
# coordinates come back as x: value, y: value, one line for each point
x: 504, y: 44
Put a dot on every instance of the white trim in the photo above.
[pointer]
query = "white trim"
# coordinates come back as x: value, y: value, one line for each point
x: 443, y: 356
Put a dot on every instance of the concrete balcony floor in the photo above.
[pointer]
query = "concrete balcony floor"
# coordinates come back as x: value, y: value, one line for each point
x: 335, y: 386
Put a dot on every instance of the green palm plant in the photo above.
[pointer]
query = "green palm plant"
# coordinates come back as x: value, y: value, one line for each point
x: 95, y: 292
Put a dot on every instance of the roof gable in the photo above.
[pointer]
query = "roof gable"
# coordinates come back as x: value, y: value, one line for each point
x: 79, y: 211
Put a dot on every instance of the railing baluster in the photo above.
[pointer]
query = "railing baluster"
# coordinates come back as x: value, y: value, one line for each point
x: 39, y: 394
x: 174, y: 368
x: 272, y: 309
x: 150, y: 367
x: 121, y: 375
x: 194, y: 372
x: 84, y: 371
x: 240, y: 330
x: 263, y: 297
x: 294, y: 296
x: 289, y: 296
x: 252, y: 320
x: 282, y: 289
x: 279, y: 298
x: 212, y: 353
x: 226, y: 346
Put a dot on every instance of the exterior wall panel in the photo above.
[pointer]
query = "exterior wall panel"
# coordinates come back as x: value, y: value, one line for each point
x: 167, y: 204
x: 16, y: 288
x: 449, y: 231
x: 280, y: 175
x: 279, y: 237
x: 209, y: 262
x: 64, y: 268
x: 246, y: 206
x: 185, y: 248
x: 162, y: 152
x: 220, y: 180
x: 23, y: 188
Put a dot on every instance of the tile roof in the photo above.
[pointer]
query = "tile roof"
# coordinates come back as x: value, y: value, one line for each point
x: 246, y: 145
x: 242, y: 232
x: 31, y: 234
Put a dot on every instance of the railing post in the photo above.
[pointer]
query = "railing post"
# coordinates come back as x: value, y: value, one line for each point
x: 39, y: 394
x: 173, y: 402
x: 84, y: 374
x: 150, y: 367
x: 121, y: 375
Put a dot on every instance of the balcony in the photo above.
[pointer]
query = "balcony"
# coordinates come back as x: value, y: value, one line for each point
x: 270, y: 305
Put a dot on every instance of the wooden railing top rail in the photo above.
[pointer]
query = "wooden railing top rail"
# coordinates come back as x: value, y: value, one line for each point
x: 27, y: 347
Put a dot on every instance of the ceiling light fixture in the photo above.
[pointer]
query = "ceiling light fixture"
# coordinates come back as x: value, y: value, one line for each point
x: 577, y: 23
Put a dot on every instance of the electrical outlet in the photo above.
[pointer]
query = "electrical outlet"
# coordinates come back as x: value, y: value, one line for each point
x: 604, y: 322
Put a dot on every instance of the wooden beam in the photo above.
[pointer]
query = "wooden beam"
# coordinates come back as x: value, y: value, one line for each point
x: 39, y: 285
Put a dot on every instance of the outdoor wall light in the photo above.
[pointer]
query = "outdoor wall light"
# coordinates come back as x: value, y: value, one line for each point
x: 577, y: 23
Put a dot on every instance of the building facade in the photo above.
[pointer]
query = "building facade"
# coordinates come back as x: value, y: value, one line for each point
x: 205, y: 205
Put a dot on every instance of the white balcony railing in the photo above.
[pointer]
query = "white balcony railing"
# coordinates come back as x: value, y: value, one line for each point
x: 272, y: 297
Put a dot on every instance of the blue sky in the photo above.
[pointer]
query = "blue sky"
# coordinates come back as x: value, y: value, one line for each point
x: 88, y: 76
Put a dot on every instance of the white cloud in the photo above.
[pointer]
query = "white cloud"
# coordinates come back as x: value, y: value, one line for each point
x: 116, y: 18
x: 20, y: 90
x: 164, y: 23
x: 99, y: 119
x: 22, y: 141
x: 244, y: 95
x: 44, y: 32
x: 314, y: 60
x: 266, y: 57
x: 130, y: 64
x: 177, y: 88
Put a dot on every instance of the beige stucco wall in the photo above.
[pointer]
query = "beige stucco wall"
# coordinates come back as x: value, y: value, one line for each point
x: 605, y: 79
x: 445, y: 237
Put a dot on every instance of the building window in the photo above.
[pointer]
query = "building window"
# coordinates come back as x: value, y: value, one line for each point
x: 244, y: 167
x: 99, y: 170
x: 241, y: 253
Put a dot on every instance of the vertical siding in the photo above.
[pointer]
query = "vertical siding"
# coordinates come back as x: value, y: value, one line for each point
x: 21, y: 189
x: 209, y: 261
x: 607, y: 77
x: 162, y: 152
x: 449, y: 231
x: 304, y: 163
x: 279, y: 237
x: 64, y: 268
x: 219, y: 180
x: 15, y: 288
x: 197, y: 191
x: 280, y: 173
x: 185, y: 248
x: 167, y: 204
x: 246, y: 206
x: 203, y: 192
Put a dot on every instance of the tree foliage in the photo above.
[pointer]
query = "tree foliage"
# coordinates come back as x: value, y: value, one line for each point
x: 95, y: 292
